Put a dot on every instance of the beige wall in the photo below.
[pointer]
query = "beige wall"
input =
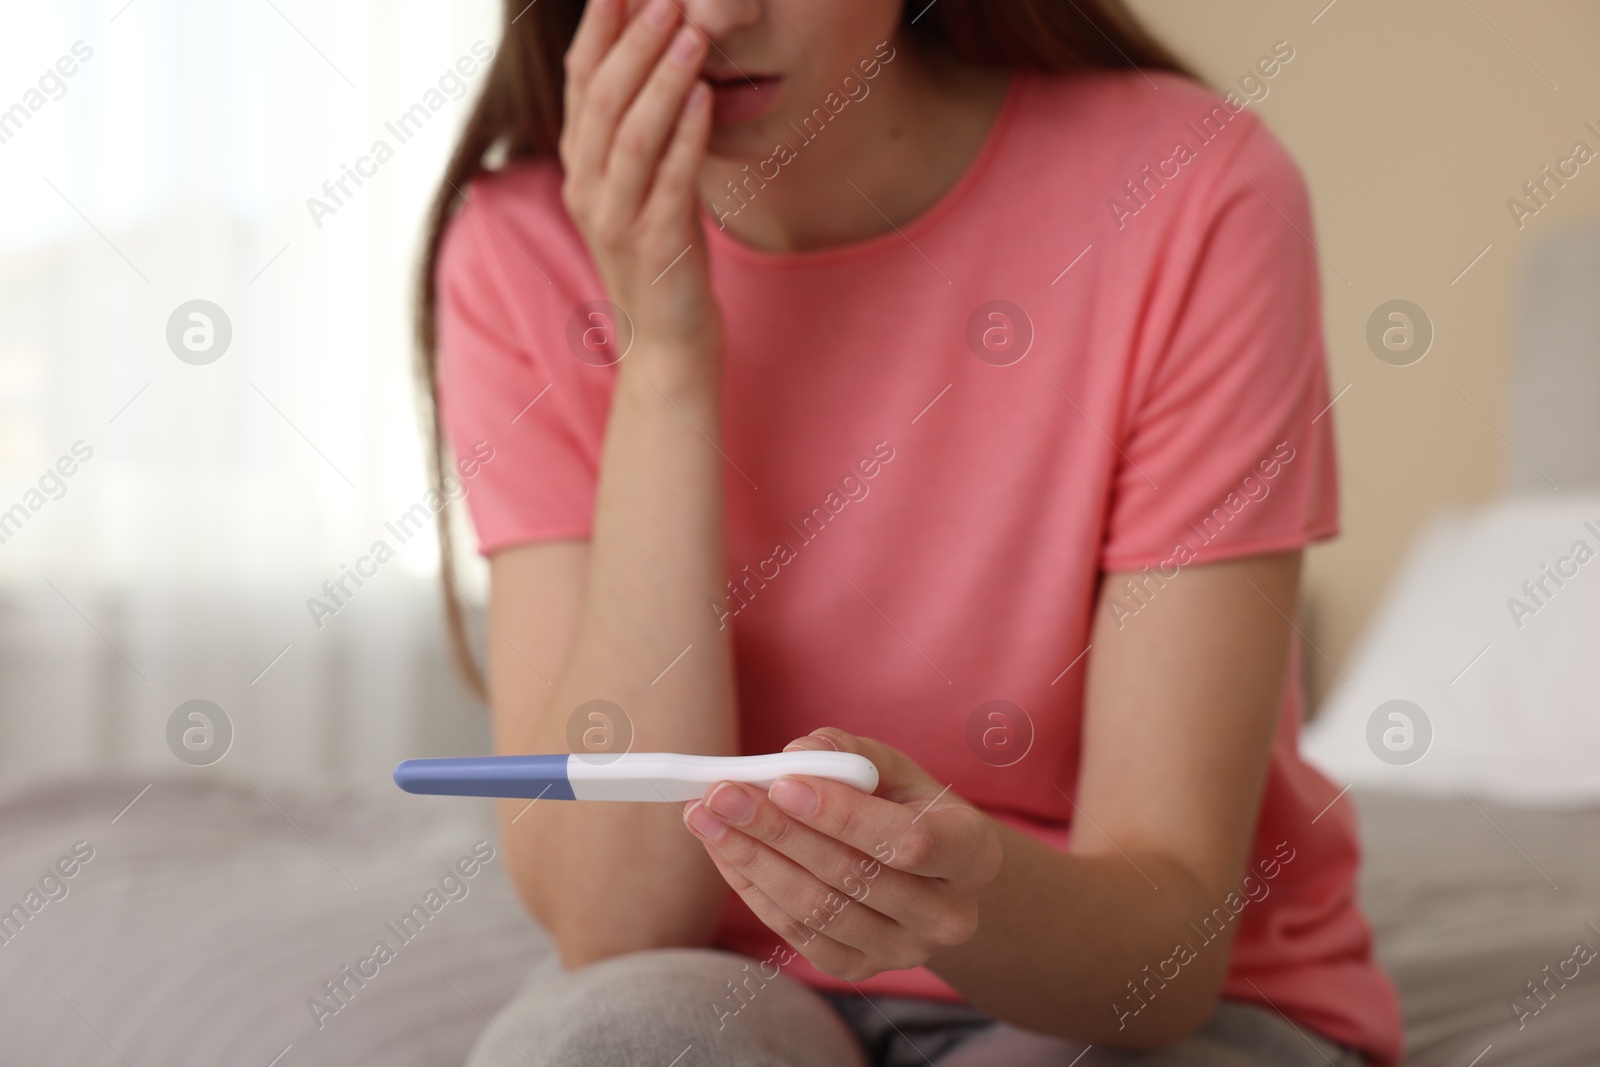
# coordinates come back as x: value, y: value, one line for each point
x: 1414, y: 121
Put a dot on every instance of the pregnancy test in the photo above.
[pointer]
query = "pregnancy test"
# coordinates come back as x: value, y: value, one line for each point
x: 646, y: 776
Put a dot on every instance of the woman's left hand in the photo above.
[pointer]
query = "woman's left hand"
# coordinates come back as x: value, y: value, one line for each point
x: 857, y: 884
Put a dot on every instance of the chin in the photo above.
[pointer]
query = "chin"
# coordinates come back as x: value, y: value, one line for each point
x: 745, y: 142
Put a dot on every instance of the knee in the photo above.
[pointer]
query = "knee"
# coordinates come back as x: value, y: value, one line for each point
x: 624, y: 1009
x: 667, y: 976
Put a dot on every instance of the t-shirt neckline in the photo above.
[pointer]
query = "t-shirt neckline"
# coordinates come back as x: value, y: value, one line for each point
x: 895, y: 238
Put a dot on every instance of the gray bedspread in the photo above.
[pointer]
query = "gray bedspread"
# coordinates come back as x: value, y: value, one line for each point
x: 1472, y: 900
x: 211, y: 915
x: 212, y: 918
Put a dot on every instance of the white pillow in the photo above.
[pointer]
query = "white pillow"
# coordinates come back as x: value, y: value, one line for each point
x: 1506, y: 674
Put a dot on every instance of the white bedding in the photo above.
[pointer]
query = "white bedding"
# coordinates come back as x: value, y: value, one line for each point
x: 1503, y: 661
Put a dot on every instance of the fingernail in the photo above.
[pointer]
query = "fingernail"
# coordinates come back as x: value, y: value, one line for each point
x: 703, y: 822
x: 731, y: 802
x: 659, y: 12
x: 686, y: 46
x: 794, y: 796
x: 805, y: 744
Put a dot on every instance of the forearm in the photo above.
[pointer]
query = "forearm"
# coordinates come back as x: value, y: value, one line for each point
x: 1181, y: 711
x: 1084, y: 946
x: 647, y: 636
x: 606, y: 878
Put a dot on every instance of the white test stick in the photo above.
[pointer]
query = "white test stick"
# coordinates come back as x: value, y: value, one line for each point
x: 631, y: 776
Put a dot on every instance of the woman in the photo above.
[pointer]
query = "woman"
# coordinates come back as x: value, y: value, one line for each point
x: 939, y: 383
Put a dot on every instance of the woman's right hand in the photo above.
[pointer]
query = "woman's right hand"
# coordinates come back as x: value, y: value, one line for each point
x: 632, y: 143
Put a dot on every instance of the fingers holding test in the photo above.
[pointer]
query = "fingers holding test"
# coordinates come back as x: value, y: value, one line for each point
x: 825, y: 953
x: 769, y: 847
x: 942, y: 837
x: 833, y: 928
x: 900, y: 778
x: 894, y: 876
x: 912, y: 823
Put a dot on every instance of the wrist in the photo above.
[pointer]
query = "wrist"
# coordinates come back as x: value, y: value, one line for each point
x: 683, y: 373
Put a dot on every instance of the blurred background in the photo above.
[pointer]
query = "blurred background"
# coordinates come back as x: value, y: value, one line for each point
x: 1414, y: 122
x: 214, y: 489
x: 175, y: 165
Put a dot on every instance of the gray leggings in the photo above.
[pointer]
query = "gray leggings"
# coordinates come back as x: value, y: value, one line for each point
x: 672, y: 1008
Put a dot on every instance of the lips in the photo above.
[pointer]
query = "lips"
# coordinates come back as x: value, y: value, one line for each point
x: 737, y: 97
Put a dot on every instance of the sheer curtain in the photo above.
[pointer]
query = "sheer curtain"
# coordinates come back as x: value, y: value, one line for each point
x: 166, y: 511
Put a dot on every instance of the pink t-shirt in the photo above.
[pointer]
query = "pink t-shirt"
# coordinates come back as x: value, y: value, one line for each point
x: 1101, y: 350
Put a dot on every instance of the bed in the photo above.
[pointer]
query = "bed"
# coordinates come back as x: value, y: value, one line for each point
x: 1482, y: 840
x: 1482, y: 870
x: 210, y: 915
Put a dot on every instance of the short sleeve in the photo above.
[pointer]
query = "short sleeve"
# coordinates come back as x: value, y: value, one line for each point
x: 510, y: 273
x: 1227, y: 446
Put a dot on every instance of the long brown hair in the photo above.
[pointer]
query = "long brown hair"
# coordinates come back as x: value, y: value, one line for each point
x: 519, y: 113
